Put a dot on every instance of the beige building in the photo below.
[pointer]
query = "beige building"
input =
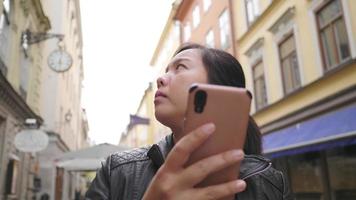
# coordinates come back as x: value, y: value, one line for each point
x: 140, y: 129
x: 64, y: 119
x: 29, y: 33
x: 299, y: 61
x: 20, y: 81
x: 206, y: 22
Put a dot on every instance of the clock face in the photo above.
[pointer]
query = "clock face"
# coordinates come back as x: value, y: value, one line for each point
x: 59, y: 60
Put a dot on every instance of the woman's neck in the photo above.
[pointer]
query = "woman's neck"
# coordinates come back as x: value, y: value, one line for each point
x: 177, y: 134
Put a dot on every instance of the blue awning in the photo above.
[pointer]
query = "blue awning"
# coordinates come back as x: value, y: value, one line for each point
x: 334, y: 129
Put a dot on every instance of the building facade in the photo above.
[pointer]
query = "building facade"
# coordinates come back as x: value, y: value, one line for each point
x: 65, y: 120
x: 20, y: 81
x: 140, y: 129
x: 29, y: 32
x: 207, y: 22
x: 299, y: 62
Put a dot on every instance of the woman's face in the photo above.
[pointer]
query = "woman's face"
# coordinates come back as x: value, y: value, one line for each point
x: 171, y: 97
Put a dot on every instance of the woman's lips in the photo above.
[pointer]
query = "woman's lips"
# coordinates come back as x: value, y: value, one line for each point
x: 159, y: 95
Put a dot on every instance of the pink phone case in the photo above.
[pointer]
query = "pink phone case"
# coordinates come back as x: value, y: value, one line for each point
x: 228, y: 108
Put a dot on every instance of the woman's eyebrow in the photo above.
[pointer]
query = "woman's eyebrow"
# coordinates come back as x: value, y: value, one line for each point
x: 175, y: 62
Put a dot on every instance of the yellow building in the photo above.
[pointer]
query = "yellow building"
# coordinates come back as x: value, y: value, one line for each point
x: 140, y: 130
x: 299, y: 61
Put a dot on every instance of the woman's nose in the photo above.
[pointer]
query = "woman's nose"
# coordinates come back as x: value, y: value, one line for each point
x: 162, y: 80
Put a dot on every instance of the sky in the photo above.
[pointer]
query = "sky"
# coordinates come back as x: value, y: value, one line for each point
x: 119, y: 38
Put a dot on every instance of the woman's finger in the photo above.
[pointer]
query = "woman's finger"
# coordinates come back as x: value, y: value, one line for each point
x: 182, y: 150
x: 196, y: 172
x: 221, y: 190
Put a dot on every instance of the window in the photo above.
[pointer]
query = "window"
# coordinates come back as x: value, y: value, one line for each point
x: 224, y: 24
x: 333, y: 34
x: 187, y: 31
x: 3, y: 68
x: 209, y: 39
x: 306, y: 175
x: 289, y: 65
x: 176, y: 30
x: 11, y: 176
x: 259, y: 85
x: 206, y: 4
x: 5, y: 15
x: 196, y: 16
x: 24, y: 75
x: 328, y: 174
x: 252, y: 10
x: 341, y: 165
x: 4, y: 36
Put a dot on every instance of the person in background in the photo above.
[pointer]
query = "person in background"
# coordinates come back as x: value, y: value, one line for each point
x: 158, y: 172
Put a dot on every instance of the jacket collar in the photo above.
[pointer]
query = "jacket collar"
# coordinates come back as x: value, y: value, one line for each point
x: 250, y: 166
x: 158, y: 152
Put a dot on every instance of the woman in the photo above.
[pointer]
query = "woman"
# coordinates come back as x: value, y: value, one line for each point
x: 151, y: 173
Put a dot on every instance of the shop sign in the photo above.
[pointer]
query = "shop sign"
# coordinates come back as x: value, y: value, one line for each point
x: 31, y: 140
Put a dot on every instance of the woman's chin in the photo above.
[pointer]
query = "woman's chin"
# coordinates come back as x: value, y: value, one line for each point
x: 167, y: 119
x: 162, y: 117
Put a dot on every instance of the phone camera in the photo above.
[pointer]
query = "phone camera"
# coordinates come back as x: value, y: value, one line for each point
x: 199, y: 101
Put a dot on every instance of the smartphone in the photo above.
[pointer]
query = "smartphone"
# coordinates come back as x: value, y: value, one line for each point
x: 228, y: 108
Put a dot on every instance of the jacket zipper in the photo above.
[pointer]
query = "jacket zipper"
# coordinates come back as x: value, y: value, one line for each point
x: 259, y: 170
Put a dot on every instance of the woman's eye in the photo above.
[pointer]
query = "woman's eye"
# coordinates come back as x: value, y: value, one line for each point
x: 180, y: 66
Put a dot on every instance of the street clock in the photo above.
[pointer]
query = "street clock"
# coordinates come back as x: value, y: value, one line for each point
x: 59, y: 60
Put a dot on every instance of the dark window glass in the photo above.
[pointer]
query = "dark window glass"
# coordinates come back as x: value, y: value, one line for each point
x: 11, y: 177
x: 342, y: 172
x: 306, y: 176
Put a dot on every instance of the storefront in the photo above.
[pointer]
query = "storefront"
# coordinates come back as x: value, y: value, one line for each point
x: 17, y: 172
x: 318, y: 154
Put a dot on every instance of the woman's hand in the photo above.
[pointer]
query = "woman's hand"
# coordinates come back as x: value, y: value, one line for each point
x: 174, y: 181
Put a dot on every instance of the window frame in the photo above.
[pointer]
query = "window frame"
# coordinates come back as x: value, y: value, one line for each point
x: 227, y: 25
x: 196, y: 18
x: 5, y: 13
x: 213, y: 38
x: 185, y: 28
x: 249, y: 23
x: 12, y: 173
x: 331, y: 23
x: 205, y: 6
x: 288, y: 35
x: 253, y: 66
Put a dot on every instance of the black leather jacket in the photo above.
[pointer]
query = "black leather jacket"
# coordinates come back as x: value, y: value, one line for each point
x: 126, y: 175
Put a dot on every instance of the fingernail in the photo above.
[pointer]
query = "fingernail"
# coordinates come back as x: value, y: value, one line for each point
x: 240, y: 184
x: 208, y: 128
x: 237, y: 154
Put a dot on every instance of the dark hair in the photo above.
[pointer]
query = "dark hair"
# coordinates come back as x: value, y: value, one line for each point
x: 225, y: 69
x: 222, y: 67
x: 253, y: 142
